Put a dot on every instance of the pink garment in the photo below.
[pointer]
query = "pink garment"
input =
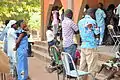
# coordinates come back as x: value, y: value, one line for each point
x: 77, y: 54
x: 55, y: 20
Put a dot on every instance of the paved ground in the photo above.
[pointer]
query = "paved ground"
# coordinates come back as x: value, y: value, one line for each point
x: 37, y: 70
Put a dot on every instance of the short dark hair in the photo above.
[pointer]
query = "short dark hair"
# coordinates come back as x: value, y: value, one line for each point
x: 62, y: 10
x: 101, y: 4
x: 111, y: 7
x: 55, y: 8
x: 69, y: 13
x: 6, y: 22
x: 19, y: 22
x: 87, y: 6
x: 49, y: 27
x: 89, y: 11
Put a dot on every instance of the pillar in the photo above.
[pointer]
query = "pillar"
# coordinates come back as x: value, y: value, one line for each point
x: 42, y: 21
x: 70, y: 4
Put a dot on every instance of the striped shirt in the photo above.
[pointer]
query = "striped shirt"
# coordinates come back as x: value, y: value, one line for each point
x: 68, y: 28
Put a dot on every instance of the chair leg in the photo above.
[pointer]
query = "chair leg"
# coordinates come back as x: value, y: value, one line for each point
x: 93, y: 78
x: 4, y: 76
x: 75, y: 78
x: 57, y: 73
x: 117, y: 47
x: 1, y: 76
x: 114, y: 46
x: 69, y: 78
x: 64, y: 75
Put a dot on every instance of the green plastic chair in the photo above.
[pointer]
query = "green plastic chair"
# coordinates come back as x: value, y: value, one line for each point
x: 56, y: 56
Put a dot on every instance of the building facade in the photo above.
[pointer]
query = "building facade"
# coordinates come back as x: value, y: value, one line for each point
x: 76, y: 5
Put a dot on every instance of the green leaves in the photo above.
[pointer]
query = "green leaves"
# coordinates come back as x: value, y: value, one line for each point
x: 28, y: 10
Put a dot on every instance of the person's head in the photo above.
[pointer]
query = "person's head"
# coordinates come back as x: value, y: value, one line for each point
x: 62, y: 10
x: 100, y: 5
x: 21, y: 24
x: 49, y: 27
x: 11, y: 22
x: 87, y: 6
x: 69, y: 13
x: 6, y: 22
x: 111, y: 7
x: 14, y: 26
x: 55, y: 8
x: 90, y: 12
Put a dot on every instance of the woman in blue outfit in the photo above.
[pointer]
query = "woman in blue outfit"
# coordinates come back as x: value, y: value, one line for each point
x: 22, y: 47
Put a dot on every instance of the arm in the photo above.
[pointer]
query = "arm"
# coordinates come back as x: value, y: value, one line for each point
x: 104, y: 15
x: 118, y: 10
x: 96, y: 30
x: 12, y: 33
x: 3, y: 33
x: 75, y: 28
x: 19, y: 39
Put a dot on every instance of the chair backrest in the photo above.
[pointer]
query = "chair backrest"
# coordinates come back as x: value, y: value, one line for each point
x: 65, y: 59
x: 56, y: 54
x: 111, y: 31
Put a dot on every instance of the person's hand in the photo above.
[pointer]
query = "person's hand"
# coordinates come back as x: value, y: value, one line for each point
x: 89, y: 26
x: 14, y: 49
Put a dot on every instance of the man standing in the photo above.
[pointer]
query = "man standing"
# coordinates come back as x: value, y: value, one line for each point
x: 11, y: 37
x: 3, y: 36
x: 100, y: 19
x: 68, y: 29
x: 88, y: 29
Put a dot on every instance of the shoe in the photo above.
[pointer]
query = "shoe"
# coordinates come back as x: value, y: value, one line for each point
x: 70, y: 76
x: 96, y: 79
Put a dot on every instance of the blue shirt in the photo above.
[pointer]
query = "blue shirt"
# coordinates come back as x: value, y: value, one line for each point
x: 87, y: 33
x: 100, y: 17
x: 24, y: 42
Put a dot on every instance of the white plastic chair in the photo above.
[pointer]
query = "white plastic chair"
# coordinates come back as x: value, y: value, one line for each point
x: 73, y: 73
x: 114, y: 35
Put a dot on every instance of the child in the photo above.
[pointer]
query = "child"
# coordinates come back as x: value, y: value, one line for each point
x: 50, y: 37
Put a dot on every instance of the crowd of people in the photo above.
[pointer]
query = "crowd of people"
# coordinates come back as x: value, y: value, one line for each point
x: 92, y: 29
x: 15, y: 39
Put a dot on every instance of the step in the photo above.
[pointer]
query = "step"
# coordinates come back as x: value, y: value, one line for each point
x: 102, y: 56
x: 104, y: 52
x: 41, y: 43
x: 40, y: 48
x: 40, y: 55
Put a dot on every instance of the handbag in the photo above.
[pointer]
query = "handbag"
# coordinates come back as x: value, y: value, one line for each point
x: 4, y: 62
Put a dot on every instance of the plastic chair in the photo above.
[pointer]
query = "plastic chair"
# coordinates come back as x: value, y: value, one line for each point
x: 56, y: 56
x: 73, y: 73
x: 114, y: 36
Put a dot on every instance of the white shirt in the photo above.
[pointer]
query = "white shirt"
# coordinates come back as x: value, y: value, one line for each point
x: 118, y: 13
x: 11, y: 37
x: 50, y: 35
x: 118, y: 10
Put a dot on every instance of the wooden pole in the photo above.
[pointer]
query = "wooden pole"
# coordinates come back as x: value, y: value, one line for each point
x: 42, y: 21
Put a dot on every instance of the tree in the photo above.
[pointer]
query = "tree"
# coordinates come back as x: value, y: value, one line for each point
x: 28, y: 10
